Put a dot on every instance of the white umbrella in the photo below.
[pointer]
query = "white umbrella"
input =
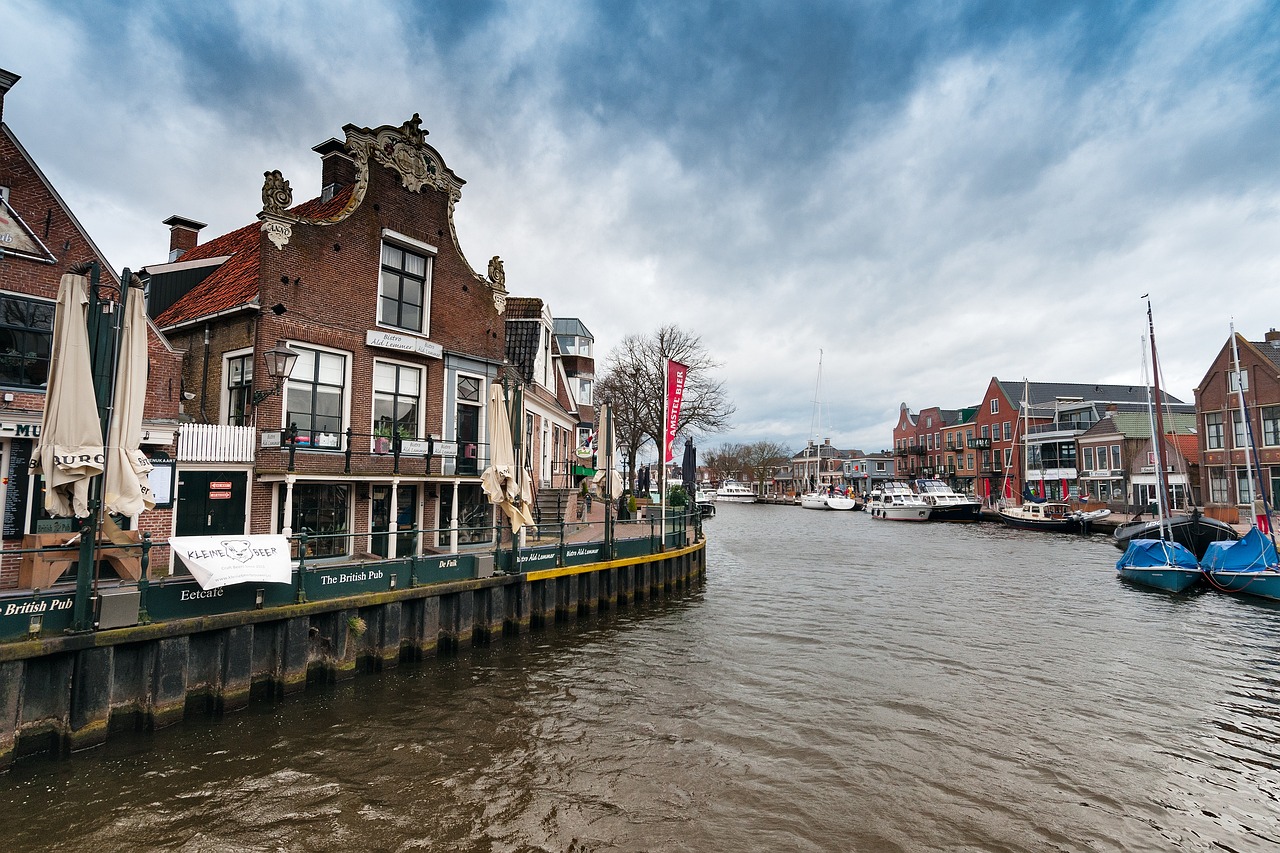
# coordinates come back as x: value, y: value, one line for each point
x: 499, y: 480
x: 127, y: 490
x: 70, y: 452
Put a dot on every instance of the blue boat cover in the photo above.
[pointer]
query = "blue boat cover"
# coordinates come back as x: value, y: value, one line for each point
x: 1251, y: 553
x: 1154, y: 554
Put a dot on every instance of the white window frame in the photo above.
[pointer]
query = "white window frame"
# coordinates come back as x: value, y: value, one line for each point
x: 406, y: 243
x: 995, y: 405
x: 422, y: 391
x: 225, y: 400
x: 348, y: 364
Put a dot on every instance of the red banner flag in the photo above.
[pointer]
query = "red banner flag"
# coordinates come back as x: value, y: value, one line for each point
x: 671, y: 411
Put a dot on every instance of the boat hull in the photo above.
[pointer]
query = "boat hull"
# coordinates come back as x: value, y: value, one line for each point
x: 736, y: 499
x: 1263, y: 584
x: 1055, y: 525
x: 956, y: 512
x: 1249, y: 566
x: 900, y: 513
x: 1158, y: 564
x: 1194, y: 532
x: 841, y: 503
x: 813, y: 501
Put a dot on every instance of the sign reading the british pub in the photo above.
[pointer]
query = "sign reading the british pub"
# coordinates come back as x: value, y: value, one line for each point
x: 403, y: 343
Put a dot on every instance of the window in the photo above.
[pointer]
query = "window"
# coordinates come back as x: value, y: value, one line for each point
x: 397, y: 390
x: 986, y: 432
x: 239, y: 373
x: 584, y: 392
x: 1217, y: 486
x: 1115, y: 456
x: 1088, y: 459
x: 880, y: 467
x: 315, y: 399
x: 1103, y: 464
x: 467, y: 424
x: 1235, y: 381
x: 1008, y: 457
x: 404, y: 289
x: 26, y: 336
x: 321, y: 510
x: 1240, y: 435
x: 1271, y: 426
x: 1008, y: 431
x: 1244, y: 486
x: 1213, y: 431
x: 995, y: 406
x: 475, y: 516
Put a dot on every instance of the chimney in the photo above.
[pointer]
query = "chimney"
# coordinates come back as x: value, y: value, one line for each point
x: 183, y: 235
x: 7, y: 79
x: 1273, y: 337
x: 337, y: 169
x: 827, y: 442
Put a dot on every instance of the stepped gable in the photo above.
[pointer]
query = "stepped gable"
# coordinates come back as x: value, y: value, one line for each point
x: 236, y: 283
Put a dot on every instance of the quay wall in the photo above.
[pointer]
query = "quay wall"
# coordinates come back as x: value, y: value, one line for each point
x: 64, y: 693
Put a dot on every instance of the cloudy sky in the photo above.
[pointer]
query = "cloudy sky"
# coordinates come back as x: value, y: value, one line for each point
x: 930, y: 193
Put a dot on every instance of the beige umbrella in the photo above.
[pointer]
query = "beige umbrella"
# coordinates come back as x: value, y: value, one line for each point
x: 69, y: 453
x: 127, y: 489
x: 500, y: 481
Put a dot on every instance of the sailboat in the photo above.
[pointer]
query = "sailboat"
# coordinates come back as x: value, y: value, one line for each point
x: 1248, y: 565
x: 1036, y: 513
x: 1158, y: 562
x: 817, y: 497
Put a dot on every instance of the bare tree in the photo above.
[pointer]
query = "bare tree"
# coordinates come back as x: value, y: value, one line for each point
x: 760, y: 458
x: 633, y: 382
x: 724, y: 462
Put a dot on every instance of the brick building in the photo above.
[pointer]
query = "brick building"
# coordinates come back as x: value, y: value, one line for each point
x: 381, y: 424
x: 40, y: 240
x: 551, y: 412
x: 1222, y: 431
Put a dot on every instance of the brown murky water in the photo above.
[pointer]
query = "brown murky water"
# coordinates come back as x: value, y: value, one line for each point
x: 840, y: 684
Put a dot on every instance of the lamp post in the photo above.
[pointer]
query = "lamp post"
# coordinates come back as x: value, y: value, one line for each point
x: 279, y: 361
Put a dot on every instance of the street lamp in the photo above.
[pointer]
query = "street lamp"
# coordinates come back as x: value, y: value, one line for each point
x: 279, y: 363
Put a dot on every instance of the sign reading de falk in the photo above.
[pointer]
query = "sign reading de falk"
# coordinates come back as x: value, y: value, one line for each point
x: 403, y: 343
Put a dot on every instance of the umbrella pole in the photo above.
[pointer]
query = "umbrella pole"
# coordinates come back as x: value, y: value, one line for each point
x: 103, y: 328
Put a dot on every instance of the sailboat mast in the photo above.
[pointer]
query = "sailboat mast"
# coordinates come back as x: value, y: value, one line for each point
x: 1244, y: 415
x: 1162, y: 480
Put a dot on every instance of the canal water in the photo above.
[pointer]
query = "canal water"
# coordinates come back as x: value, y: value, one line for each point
x: 838, y: 684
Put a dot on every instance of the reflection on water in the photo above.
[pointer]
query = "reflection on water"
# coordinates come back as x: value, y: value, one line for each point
x: 839, y: 684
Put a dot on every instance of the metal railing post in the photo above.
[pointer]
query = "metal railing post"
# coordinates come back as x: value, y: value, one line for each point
x: 301, y: 594
x: 144, y: 581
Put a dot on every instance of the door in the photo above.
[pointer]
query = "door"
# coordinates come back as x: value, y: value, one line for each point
x: 211, y: 503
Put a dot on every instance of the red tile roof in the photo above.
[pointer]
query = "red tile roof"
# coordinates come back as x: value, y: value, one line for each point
x: 1188, y: 446
x: 235, y: 283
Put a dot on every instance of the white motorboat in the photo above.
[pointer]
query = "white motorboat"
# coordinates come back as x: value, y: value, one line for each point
x: 896, y: 502
x: 822, y: 500
x: 731, y: 491
x: 946, y: 504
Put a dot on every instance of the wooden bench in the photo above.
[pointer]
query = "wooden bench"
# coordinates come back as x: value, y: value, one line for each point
x: 41, y: 569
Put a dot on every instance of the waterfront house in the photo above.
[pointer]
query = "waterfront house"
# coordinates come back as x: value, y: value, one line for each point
x: 1222, y: 432
x: 870, y: 470
x: 960, y: 462
x: 1117, y: 460
x: 379, y: 424
x: 576, y: 347
x: 40, y: 240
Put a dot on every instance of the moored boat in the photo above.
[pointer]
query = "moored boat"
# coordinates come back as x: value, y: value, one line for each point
x: 1193, y: 531
x: 894, y: 501
x: 1051, y: 516
x: 731, y: 491
x: 946, y: 504
x: 1248, y: 565
x: 1160, y: 562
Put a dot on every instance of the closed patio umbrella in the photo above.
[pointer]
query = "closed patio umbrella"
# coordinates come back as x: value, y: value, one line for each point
x: 499, y: 480
x: 689, y: 468
x: 127, y: 489
x: 70, y: 453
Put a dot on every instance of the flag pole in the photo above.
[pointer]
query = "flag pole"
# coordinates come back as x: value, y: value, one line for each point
x: 662, y: 457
